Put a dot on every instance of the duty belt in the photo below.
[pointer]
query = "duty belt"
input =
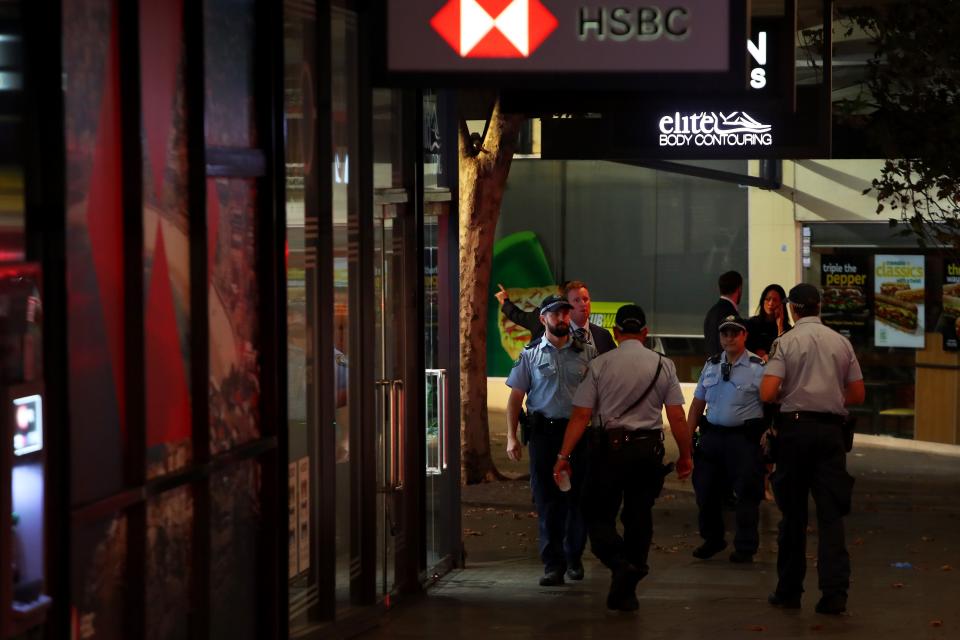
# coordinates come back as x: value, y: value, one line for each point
x: 810, y: 416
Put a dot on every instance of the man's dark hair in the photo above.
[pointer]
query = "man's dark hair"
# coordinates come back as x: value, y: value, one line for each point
x: 570, y: 285
x: 806, y: 310
x: 729, y: 282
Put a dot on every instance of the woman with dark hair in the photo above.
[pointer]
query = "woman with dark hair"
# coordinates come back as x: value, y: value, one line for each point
x: 770, y: 322
x: 762, y: 329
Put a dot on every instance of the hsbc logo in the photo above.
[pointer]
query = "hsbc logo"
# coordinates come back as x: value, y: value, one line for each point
x: 494, y: 28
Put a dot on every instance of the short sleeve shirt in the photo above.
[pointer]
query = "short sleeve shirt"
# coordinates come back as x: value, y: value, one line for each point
x: 816, y: 364
x: 731, y: 402
x: 550, y: 376
x: 617, y: 378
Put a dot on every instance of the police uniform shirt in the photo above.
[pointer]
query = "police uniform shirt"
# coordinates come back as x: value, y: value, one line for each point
x: 617, y: 378
x: 550, y: 376
x: 731, y: 402
x: 816, y: 364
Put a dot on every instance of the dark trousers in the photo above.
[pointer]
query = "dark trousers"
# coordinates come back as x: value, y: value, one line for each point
x: 725, y: 460
x: 631, y: 476
x: 811, y: 460
x: 563, y: 534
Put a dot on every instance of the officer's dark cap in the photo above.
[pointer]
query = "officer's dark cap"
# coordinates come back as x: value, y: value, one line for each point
x: 733, y: 321
x: 554, y: 303
x: 630, y: 319
x: 804, y: 295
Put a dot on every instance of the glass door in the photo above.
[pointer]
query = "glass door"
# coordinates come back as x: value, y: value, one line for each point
x: 390, y: 389
x: 440, y: 479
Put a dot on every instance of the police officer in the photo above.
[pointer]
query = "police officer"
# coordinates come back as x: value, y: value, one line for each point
x: 728, y: 454
x: 547, y: 373
x: 627, y: 388
x: 813, y: 372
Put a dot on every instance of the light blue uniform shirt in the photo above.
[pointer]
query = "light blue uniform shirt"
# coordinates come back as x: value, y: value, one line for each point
x: 731, y: 403
x: 550, y: 376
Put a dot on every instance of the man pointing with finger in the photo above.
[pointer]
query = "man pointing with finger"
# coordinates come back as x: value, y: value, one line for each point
x: 627, y: 388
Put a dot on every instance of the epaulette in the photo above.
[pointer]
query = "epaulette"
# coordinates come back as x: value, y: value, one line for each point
x: 756, y: 359
x: 715, y: 359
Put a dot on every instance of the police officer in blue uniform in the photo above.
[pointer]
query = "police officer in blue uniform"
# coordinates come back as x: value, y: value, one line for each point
x: 728, y: 454
x: 548, y: 373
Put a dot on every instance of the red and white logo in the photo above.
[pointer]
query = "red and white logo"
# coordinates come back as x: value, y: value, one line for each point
x: 494, y: 28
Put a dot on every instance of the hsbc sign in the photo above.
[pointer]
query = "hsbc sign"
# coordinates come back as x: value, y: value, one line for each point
x: 558, y: 36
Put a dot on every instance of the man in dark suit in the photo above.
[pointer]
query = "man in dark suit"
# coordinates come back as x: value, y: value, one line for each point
x: 576, y: 293
x: 731, y: 288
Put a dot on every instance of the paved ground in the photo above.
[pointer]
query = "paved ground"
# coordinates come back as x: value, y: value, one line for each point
x: 906, y: 511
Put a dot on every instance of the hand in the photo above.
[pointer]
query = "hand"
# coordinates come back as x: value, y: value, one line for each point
x: 514, y: 448
x: 684, y: 467
x: 562, y: 465
x: 501, y: 295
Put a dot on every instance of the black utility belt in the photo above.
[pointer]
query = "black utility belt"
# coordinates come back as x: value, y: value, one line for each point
x: 789, y: 417
x: 618, y: 436
x: 540, y: 420
x: 749, y: 425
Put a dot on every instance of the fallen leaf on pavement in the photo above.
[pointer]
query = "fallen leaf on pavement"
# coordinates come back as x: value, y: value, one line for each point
x: 756, y: 627
x: 897, y: 585
x: 857, y: 542
x: 936, y: 623
x: 926, y: 538
x: 946, y: 567
x: 816, y: 627
x: 531, y: 514
x: 471, y: 532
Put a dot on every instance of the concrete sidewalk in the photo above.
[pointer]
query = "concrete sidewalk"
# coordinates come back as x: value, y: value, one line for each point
x: 903, y: 540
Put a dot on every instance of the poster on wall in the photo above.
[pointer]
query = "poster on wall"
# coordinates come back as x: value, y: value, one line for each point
x: 948, y: 325
x: 845, y: 281
x: 898, y: 301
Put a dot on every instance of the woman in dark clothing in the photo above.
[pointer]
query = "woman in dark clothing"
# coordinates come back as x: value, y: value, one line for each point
x: 769, y: 323
x: 762, y: 329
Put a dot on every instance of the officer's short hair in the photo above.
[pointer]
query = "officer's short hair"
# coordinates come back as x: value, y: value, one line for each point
x: 729, y: 282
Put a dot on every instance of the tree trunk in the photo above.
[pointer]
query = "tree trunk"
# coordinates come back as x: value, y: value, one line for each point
x: 483, y: 178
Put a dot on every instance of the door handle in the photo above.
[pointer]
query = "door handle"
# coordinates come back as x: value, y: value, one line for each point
x: 398, y: 432
x: 442, y: 416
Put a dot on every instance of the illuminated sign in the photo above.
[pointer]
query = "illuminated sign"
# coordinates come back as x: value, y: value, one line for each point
x: 714, y: 129
x: 494, y: 29
x: 27, y: 425
x: 758, y: 75
x: 559, y: 36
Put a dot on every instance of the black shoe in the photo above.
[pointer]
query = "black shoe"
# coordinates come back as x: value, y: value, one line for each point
x: 709, y: 549
x: 741, y: 558
x: 575, y: 572
x: 784, y: 602
x: 552, y: 578
x: 623, y: 588
x: 832, y: 605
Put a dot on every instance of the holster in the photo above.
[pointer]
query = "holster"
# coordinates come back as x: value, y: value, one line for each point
x: 524, y: 421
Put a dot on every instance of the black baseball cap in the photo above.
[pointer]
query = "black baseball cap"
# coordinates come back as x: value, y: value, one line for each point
x: 804, y: 295
x: 630, y: 319
x: 554, y: 303
x: 733, y: 321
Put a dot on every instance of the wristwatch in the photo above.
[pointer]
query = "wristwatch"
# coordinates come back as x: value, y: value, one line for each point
x: 560, y: 456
